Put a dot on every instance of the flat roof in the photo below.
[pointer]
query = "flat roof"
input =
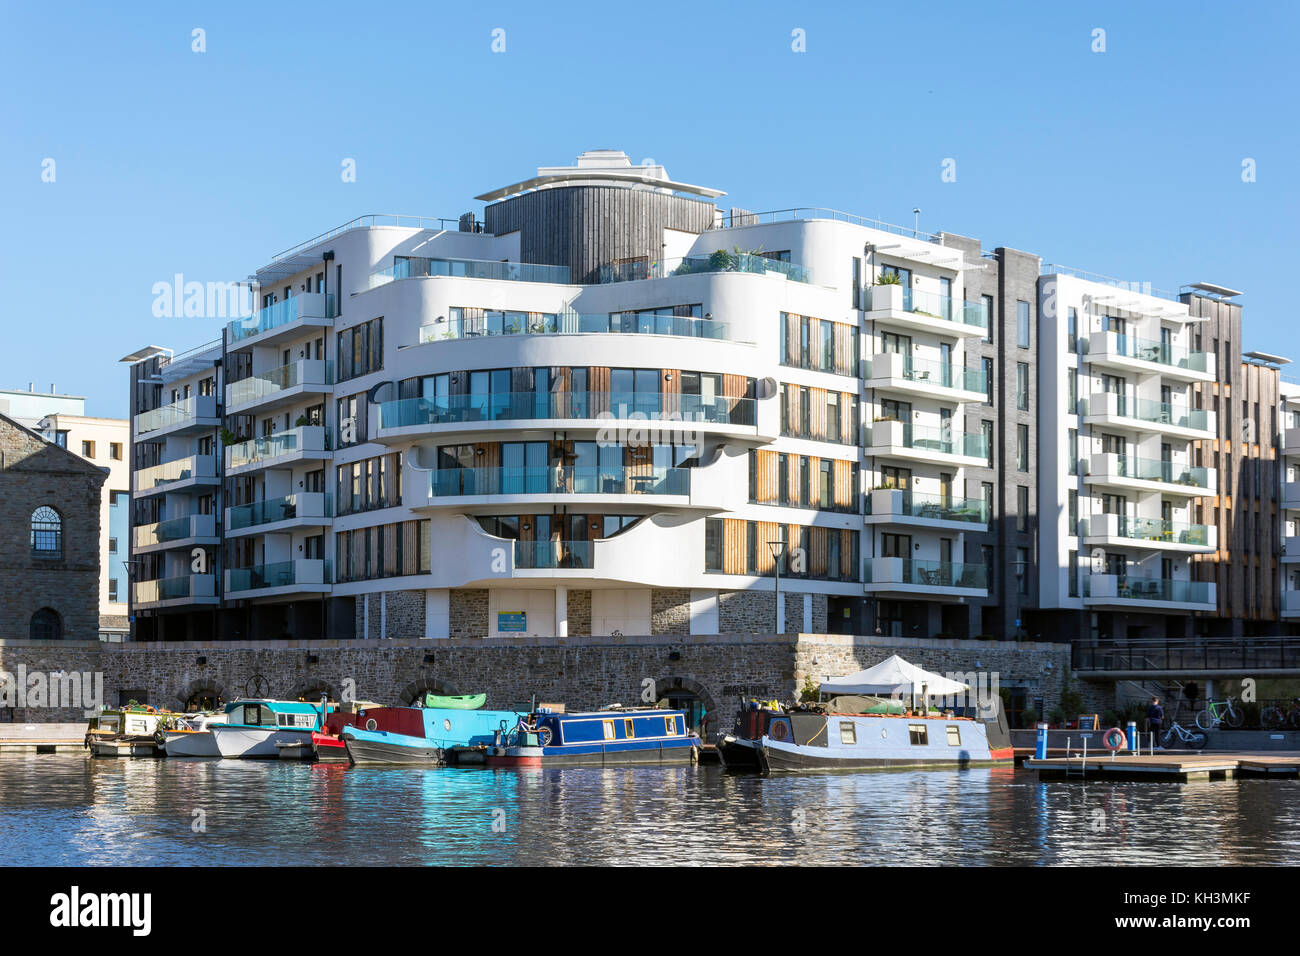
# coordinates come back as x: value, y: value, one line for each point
x: 1219, y: 290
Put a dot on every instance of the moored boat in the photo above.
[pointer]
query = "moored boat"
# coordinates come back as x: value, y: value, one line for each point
x: 126, y: 731
x: 192, y: 736
x: 422, y: 735
x: 607, y: 738
x: 256, y: 728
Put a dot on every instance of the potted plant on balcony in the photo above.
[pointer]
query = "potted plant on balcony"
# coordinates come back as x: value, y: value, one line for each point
x: 228, y: 437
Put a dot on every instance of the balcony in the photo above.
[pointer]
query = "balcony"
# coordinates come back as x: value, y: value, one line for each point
x: 938, y: 445
x: 416, y: 267
x: 1290, y: 604
x: 893, y: 506
x: 934, y: 579
x: 1107, y: 408
x: 1151, y: 474
x: 170, y: 592
x: 669, y: 411
x: 713, y: 262
x: 1152, y: 533
x: 283, y: 320
x: 194, y: 414
x: 1291, y: 495
x: 903, y: 307
x: 178, y: 475
x: 1148, y: 357
x: 176, y: 533
x: 573, y: 323
x: 1291, y: 441
x: 1290, y: 550
x: 306, y: 442
x: 553, y: 555
x: 579, y: 481
x: 892, y: 372
x: 1155, y: 594
x: 281, y: 386
x: 283, y: 577
x: 303, y: 510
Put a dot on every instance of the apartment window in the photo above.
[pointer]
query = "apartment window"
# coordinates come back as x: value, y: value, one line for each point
x: 1022, y: 447
x: 987, y: 302
x: 833, y: 416
x: 112, y: 589
x: 986, y: 488
x: 1022, y: 508
x: 46, y: 533
x: 1022, y: 386
x: 1072, y: 451
x: 751, y: 547
x: 856, y: 297
x: 115, y: 450
x: 1072, y: 573
x: 1022, y: 323
x: 112, y: 545
x: 1072, y: 399
x: 1022, y: 570
x: 1072, y: 330
x: 87, y: 449
x: 988, y: 380
x: 1073, y: 497
x: 986, y: 429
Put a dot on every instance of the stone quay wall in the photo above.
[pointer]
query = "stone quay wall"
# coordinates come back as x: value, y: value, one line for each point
x: 583, y: 673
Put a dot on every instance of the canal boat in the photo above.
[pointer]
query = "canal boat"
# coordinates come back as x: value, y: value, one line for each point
x: 191, y: 736
x: 606, y: 738
x: 422, y: 735
x: 257, y: 727
x: 126, y: 731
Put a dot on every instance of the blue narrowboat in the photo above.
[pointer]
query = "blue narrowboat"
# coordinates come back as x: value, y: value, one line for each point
x: 606, y: 738
x: 421, y: 735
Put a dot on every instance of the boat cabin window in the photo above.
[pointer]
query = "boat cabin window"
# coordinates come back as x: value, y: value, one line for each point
x: 258, y: 715
x: 919, y: 733
x: 628, y: 731
x: 954, y: 736
x: 670, y: 726
x: 848, y: 732
x: 609, y: 729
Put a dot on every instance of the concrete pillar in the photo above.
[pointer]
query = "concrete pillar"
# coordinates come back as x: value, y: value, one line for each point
x: 561, y: 612
x: 437, y: 614
x: 807, y: 613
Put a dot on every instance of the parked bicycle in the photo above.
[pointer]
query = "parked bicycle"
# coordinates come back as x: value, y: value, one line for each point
x: 1220, y: 713
x: 1178, y: 735
x: 1275, y: 716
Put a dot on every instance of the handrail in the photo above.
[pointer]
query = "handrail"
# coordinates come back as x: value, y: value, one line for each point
x: 797, y: 213
x: 371, y: 219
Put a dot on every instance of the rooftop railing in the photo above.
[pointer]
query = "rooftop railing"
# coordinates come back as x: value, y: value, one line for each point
x: 419, y: 268
x: 815, y: 212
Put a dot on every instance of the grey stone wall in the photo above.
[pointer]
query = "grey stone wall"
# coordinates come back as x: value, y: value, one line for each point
x: 579, y: 613
x: 468, y: 612
x: 670, y: 611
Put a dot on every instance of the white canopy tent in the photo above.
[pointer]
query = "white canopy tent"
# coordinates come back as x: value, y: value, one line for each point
x: 893, y: 676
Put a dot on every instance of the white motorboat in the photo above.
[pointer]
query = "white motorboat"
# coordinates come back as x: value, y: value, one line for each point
x: 258, y: 728
x: 192, y: 737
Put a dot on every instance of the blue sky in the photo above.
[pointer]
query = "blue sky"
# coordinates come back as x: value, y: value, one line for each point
x: 1127, y: 162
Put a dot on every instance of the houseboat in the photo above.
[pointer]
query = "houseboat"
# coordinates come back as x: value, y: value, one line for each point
x: 606, y: 738
x: 422, y: 735
x: 126, y: 731
x: 191, y: 735
x: 257, y: 728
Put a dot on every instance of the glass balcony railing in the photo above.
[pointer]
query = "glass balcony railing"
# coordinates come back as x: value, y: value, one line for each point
x: 305, y: 438
x: 177, y: 413
x: 552, y: 554
x: 173, y: 589
x: 416, y: 267
x: 574, y: 480
x: 1148, y: 589
x: 1145, y: 529
x: 271, y: 510
x: 937, y: 507
x: 939, y: 574
x: 1146, y: 410
x: 720, y: 261
x: 182, y: 469
x: 175, y: 529
x: 258, y: 387
x: 550, y: 323
x: 1160, y: 353
x: 926, y: 372
x: 943, y: 440
x: 931, y: 305
x: 279, y: 574
x: 1155, y: 469
x: 282, y: 313
x: 515, y: 406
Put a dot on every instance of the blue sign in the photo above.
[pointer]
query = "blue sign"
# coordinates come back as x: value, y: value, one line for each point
x: 512, y: 622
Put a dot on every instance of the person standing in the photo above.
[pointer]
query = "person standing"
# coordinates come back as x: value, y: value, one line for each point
x: 1155, y: 716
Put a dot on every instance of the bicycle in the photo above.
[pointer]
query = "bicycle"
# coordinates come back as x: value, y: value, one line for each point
x: 1219, y: 712
x: 1275, y: 717
x: 1192, y: 739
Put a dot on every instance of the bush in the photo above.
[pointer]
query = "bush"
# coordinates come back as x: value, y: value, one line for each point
x: 809, y: 691
x: 889, y: 278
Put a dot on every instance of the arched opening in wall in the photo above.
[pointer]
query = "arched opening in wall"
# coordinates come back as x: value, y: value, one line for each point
x: 313, y: 692
x: 46, y: 625
x: 693, y: 699
x: 206, y: 698
x: 415, y: 693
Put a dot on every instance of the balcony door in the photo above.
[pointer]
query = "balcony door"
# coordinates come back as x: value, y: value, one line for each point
x: 893, y: 410
x: 895, y: 545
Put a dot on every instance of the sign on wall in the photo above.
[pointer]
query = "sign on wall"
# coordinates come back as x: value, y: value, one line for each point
x: 512, y: 622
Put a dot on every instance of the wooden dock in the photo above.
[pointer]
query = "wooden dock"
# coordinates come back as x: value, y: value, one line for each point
x: 42, y: 738
x: 1180, y: 767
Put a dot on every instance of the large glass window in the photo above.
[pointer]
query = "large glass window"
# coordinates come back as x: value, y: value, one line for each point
x: 1022, y: 324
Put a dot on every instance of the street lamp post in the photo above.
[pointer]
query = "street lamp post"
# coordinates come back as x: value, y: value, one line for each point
x: 778, y: 553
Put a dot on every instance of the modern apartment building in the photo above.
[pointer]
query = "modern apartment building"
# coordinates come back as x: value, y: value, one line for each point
x: 606, y: 408
x: 62, y: 420
x: 1288, y: 490
x: 1121, y: 423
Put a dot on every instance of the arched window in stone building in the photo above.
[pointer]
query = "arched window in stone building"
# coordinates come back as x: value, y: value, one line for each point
x: 46, y: 625
x: 47, y: 533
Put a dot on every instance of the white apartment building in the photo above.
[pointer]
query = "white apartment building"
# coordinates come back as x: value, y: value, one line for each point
x: 1289, y: 504
x: 606, y: 409
x: 1118, y: 474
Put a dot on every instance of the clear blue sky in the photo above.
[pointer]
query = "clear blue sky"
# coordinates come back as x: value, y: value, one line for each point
x: 1126, y: 162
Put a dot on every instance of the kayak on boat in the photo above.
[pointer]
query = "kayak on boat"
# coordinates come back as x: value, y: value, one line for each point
x: 463, y: 702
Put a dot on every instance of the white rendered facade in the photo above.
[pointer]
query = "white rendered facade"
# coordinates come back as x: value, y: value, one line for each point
x: 1117, y: 469
x: 1289, y: 503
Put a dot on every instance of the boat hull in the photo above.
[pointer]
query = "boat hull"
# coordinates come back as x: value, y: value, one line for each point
x: 593, y: 756
x: 329, y: 749
x: 256, y: 742
x: 736, y: 753
x: 379, y: 747
x: 194, y: 743
x: 857, y: 742
x: 146, y: 747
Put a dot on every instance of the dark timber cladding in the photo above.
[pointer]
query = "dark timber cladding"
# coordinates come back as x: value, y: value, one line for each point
x: 586, y: 227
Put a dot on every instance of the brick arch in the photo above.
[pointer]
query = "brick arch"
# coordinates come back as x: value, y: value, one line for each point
x: 416, y: 689
x: 665, y: 684
x: 312, y: 689
x: 204, y: 687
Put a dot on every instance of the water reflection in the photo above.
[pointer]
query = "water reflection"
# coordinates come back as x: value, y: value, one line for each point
x: 69, y: 809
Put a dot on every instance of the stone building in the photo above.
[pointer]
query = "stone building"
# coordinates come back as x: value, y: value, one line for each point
x: 50, y: 505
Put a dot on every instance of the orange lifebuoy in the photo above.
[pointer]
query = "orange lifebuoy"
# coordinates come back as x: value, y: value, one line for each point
x: 1114, y: 739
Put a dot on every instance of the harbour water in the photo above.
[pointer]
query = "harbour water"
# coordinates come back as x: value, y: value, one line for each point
x: 69, y: 809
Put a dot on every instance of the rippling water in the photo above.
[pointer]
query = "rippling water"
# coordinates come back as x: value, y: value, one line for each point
x: 72, y: 810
